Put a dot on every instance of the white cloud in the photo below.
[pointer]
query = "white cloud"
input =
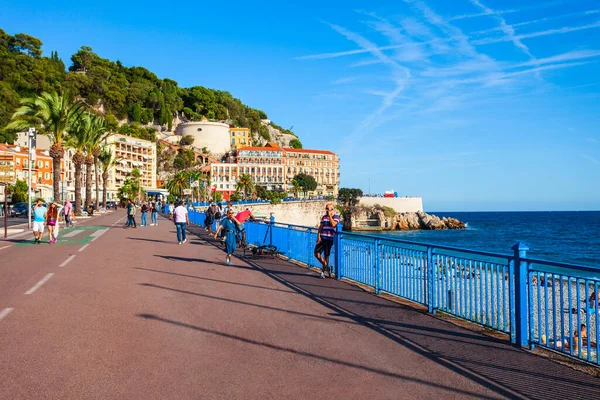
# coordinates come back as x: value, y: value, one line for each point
x: 535, y: 21
x: 341, y: 81
x: 557, y: 31
x: 509, y: 11
x: 508, y: 30
x: 568, y: 56
x: 591, y: 159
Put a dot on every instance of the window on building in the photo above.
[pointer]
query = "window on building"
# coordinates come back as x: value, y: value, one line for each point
x: 232, y: 133
x: 47, y: 164
x: 232, y: 141
x: 47, y: 176
x: 40, y: 164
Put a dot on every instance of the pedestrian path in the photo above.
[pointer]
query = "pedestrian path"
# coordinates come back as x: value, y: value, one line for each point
x: 132, y: 314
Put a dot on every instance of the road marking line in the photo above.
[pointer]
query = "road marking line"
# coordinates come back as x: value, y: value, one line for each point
x: 5, y: 247
x: 67, y: 261
x: 99, y: 233
x: 40, y: 283
x: 71, y: 234
x: 5, y: 312
x: 18, y: 235
x: 83, y: 248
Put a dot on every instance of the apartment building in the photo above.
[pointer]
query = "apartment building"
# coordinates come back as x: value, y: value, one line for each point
x: 274, y: 168
x: 240, y: 137
x: 132, y: 153
x: 323, y: 165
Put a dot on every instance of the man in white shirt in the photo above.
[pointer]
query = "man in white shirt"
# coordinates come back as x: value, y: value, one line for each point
x: 180, y: 218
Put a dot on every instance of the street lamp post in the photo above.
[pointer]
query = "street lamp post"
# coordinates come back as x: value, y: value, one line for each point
x: 31, y: 156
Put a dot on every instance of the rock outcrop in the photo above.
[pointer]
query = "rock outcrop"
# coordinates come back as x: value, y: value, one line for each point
x: 374, y: 219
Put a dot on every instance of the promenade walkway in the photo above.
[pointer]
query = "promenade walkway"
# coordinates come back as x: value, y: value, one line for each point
x: 129, y: 314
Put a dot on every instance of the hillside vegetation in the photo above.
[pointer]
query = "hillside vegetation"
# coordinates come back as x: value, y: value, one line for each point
x: 133, y: 94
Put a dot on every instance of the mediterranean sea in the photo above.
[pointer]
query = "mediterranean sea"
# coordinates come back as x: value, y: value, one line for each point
x: 564, y: 236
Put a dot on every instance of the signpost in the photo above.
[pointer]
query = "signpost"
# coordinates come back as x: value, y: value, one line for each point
x: 4, y: 191
x: 31, y: 158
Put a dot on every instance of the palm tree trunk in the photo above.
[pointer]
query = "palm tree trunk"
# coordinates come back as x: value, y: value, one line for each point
x: 97, y: 185
x: 56, y: 177
x: 77, y: 189
x: 88, y: 183
x: 104, y: 184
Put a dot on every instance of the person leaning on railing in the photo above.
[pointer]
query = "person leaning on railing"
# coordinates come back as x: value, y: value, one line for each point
x: 325, y: 236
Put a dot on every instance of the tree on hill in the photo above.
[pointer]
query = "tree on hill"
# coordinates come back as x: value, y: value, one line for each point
x: 295, y: 144
x: 187, y: 140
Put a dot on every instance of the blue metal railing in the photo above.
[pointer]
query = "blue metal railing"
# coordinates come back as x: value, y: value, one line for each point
x: 536, y: 302
x: 563, y: 307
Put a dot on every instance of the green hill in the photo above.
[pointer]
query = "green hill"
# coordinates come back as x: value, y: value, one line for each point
x: 121, y: 93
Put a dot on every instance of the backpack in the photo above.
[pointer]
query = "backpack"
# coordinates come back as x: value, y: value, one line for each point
x: 218, y: 214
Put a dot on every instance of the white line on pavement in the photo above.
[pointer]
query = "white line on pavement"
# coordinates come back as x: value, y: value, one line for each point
x: 5, y: 312
x: 99, y: 233
x: 67, y: 261
x: 71, y: 234
x: 5, y: 247
x: 18, y: 235
x: 83, y: 248
x: 40, y: 283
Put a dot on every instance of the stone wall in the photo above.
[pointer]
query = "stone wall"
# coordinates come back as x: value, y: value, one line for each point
x: 307, y: 213
x: 399, y: 204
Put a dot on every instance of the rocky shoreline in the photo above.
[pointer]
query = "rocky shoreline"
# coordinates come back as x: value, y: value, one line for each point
x: 386, y: 219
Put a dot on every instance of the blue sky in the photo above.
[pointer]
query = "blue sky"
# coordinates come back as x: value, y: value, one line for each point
x: 471, y: 104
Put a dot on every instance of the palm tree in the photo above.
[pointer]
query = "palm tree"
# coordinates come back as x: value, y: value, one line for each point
x: 136, y: 175
x: 178, y: 183
x: 107, y: 161
x: 245, y: 185
x: 53, y: 115
x: 78, y: 140
x: 98, y: 135
x: 296, y: 188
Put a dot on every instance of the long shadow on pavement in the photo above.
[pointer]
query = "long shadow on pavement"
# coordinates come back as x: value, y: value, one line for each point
x: 500, y: 366
x: 312, y: 355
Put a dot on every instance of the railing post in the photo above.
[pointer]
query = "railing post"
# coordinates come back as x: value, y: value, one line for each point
x: 520, y: 311
x: 272, y: 226
x: 377, y: 268
x: 430, y: 281
x: 338, y: 251
x: 289, y: 243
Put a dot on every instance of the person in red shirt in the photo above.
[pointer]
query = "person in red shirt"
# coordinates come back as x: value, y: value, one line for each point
x: 242, y: 217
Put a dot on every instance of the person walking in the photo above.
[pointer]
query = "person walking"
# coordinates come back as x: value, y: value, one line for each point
x: 145, y: 209
x: 39, y: 220
x: 181, y: 219
x: 231, y: 227
x: 130, y: 215
x: 154, y: 214
x: 51, y: 221
x: 171, y: 208
x: 325, y: 236
x: 68, y: 211
x: 209, y: 218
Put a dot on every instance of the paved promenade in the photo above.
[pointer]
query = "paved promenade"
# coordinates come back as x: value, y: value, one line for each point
x: 113, y: 313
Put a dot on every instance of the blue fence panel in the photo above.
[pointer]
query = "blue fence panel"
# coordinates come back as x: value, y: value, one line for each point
x: 564, y: 308
x: 403, y: 270
x: 475, y: 287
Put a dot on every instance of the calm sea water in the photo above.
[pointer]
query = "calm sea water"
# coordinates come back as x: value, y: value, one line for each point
x: 558, y: 236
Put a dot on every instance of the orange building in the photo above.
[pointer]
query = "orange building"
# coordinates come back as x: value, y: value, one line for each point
x: 41, y: 168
